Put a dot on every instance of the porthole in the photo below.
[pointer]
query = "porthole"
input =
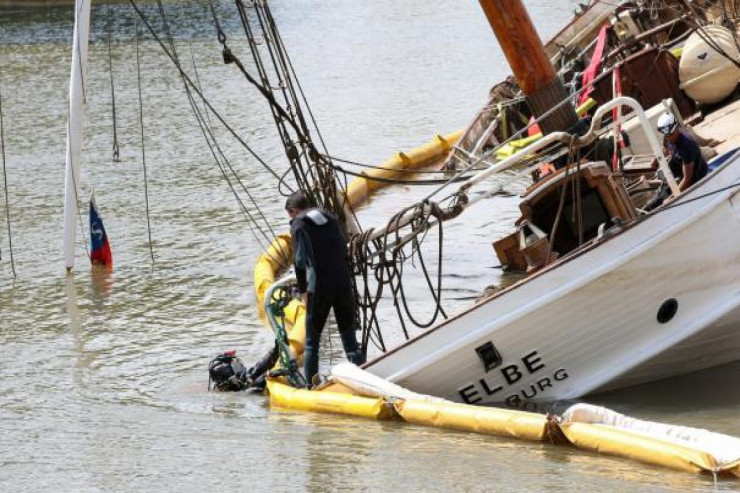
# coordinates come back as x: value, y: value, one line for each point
x: 667, y: 310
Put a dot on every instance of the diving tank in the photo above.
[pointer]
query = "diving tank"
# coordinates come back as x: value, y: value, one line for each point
x: 706, y: 75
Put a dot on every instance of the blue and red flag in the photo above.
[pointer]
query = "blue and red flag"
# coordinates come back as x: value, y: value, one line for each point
x: 100, y: 253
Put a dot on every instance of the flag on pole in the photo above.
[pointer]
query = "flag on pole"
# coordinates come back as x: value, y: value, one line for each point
x: 100, y: 253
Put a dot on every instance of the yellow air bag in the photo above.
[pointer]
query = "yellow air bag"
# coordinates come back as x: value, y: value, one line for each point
x: 614, y: 441
x: 491, y: 421
x: 361, y: 188
x: 327, y: 402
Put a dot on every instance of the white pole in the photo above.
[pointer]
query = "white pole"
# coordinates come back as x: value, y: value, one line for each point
x: 77, y: 81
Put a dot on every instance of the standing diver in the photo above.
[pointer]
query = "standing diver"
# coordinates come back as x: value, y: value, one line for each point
x: 320, y: 260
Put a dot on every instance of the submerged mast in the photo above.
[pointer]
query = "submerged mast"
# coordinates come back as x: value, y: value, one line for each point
x: 532, y: 68
x: 74, y: 127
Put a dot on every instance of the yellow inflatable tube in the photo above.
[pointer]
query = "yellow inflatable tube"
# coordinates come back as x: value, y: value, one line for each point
x: 277, y: 256
x: 597, y: 438
x: 491, y: 421
x: 287, y: 397
x: 623, y: 443
x: 360, y: 189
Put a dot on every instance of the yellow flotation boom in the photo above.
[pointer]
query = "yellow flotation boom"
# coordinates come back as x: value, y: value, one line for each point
x: 682, y: 448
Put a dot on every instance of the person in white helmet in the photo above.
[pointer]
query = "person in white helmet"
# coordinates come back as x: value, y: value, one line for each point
x: 684, y: 158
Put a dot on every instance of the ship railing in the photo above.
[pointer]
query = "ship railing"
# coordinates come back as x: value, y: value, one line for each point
x: 564, y: 138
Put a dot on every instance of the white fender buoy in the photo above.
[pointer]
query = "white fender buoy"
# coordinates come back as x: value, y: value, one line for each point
x: 706, y: 75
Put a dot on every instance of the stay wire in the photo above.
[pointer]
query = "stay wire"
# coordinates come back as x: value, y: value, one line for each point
x: 214, y: 147
x: 225, y: 159
x: 292, y: 112
x: 291, y: 76
x: 399, y: 181
x: 298, y: 82
x: 5, y: 183
x: 280, y: 64
x: 191, y: 84
x: 207, y: 122
x: 382, y: 168
x: 116, y: 149
x: 143, y: 143
x: 292, y: 106
x: 302, y: 177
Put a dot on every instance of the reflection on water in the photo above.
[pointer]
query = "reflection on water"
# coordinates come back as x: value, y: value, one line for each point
x: 102, y: 379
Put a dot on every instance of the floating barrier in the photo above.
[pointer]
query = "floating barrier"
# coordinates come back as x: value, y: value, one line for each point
x: 604, y: 431
x: 476, y: 419
x: 360, y: 189
x: 286, y: 397
x: 584, y: 426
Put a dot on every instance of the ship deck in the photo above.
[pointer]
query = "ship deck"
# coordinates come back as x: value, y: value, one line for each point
x: 722, y: 125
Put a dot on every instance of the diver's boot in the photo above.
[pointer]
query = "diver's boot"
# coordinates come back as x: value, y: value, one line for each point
x: 356, y: 357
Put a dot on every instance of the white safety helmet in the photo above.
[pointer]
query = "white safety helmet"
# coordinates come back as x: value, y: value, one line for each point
x: 667, y: 123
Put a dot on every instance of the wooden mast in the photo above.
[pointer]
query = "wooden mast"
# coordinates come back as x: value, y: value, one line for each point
x: 532, y: 68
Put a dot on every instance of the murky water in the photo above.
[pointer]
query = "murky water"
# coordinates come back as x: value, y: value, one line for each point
x: 102, y: 376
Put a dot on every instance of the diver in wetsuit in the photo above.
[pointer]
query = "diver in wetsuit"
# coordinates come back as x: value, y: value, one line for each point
x: 320, y: 260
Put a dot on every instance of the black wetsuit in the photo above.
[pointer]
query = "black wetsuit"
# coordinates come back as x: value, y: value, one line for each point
x: 320, y: 259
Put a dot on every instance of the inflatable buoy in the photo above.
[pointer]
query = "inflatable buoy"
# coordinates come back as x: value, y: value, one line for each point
x: 706, y: 75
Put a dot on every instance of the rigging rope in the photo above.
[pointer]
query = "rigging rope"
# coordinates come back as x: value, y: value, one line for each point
x: 204, y: 124
x: 5, y: 183
x: 399, y: 181
x: 143, y: 145
x: 116, y: 149
x: 382, y: 168
x: 254, y: 223
x: 312, y: 170
x: 374, y: 262
x: 197, y: 91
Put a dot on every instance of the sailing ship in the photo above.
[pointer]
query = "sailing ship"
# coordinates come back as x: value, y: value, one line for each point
x: 610, y: 294
x: 613, y: 295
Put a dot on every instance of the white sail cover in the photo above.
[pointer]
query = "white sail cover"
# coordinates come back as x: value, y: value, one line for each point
x: 367, y: 384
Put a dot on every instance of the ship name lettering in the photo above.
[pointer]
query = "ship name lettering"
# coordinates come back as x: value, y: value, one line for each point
x: 520, y: 398
x: 531, y: 363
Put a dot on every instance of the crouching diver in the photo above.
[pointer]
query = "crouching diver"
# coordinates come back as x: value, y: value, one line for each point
x: 227, y: 373
x: 320, y: 260
x: 684, y: 158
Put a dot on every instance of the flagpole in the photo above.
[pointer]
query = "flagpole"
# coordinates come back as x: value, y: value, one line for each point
x: 74, y: 127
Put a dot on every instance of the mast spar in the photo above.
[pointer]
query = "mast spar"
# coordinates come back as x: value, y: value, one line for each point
x: 532, y: 68
x: 74, y: 127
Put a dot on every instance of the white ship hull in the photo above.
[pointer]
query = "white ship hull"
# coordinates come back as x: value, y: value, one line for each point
x: 590, y: 321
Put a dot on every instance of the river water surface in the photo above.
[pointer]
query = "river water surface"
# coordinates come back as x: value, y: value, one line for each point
x: 102, y: 376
